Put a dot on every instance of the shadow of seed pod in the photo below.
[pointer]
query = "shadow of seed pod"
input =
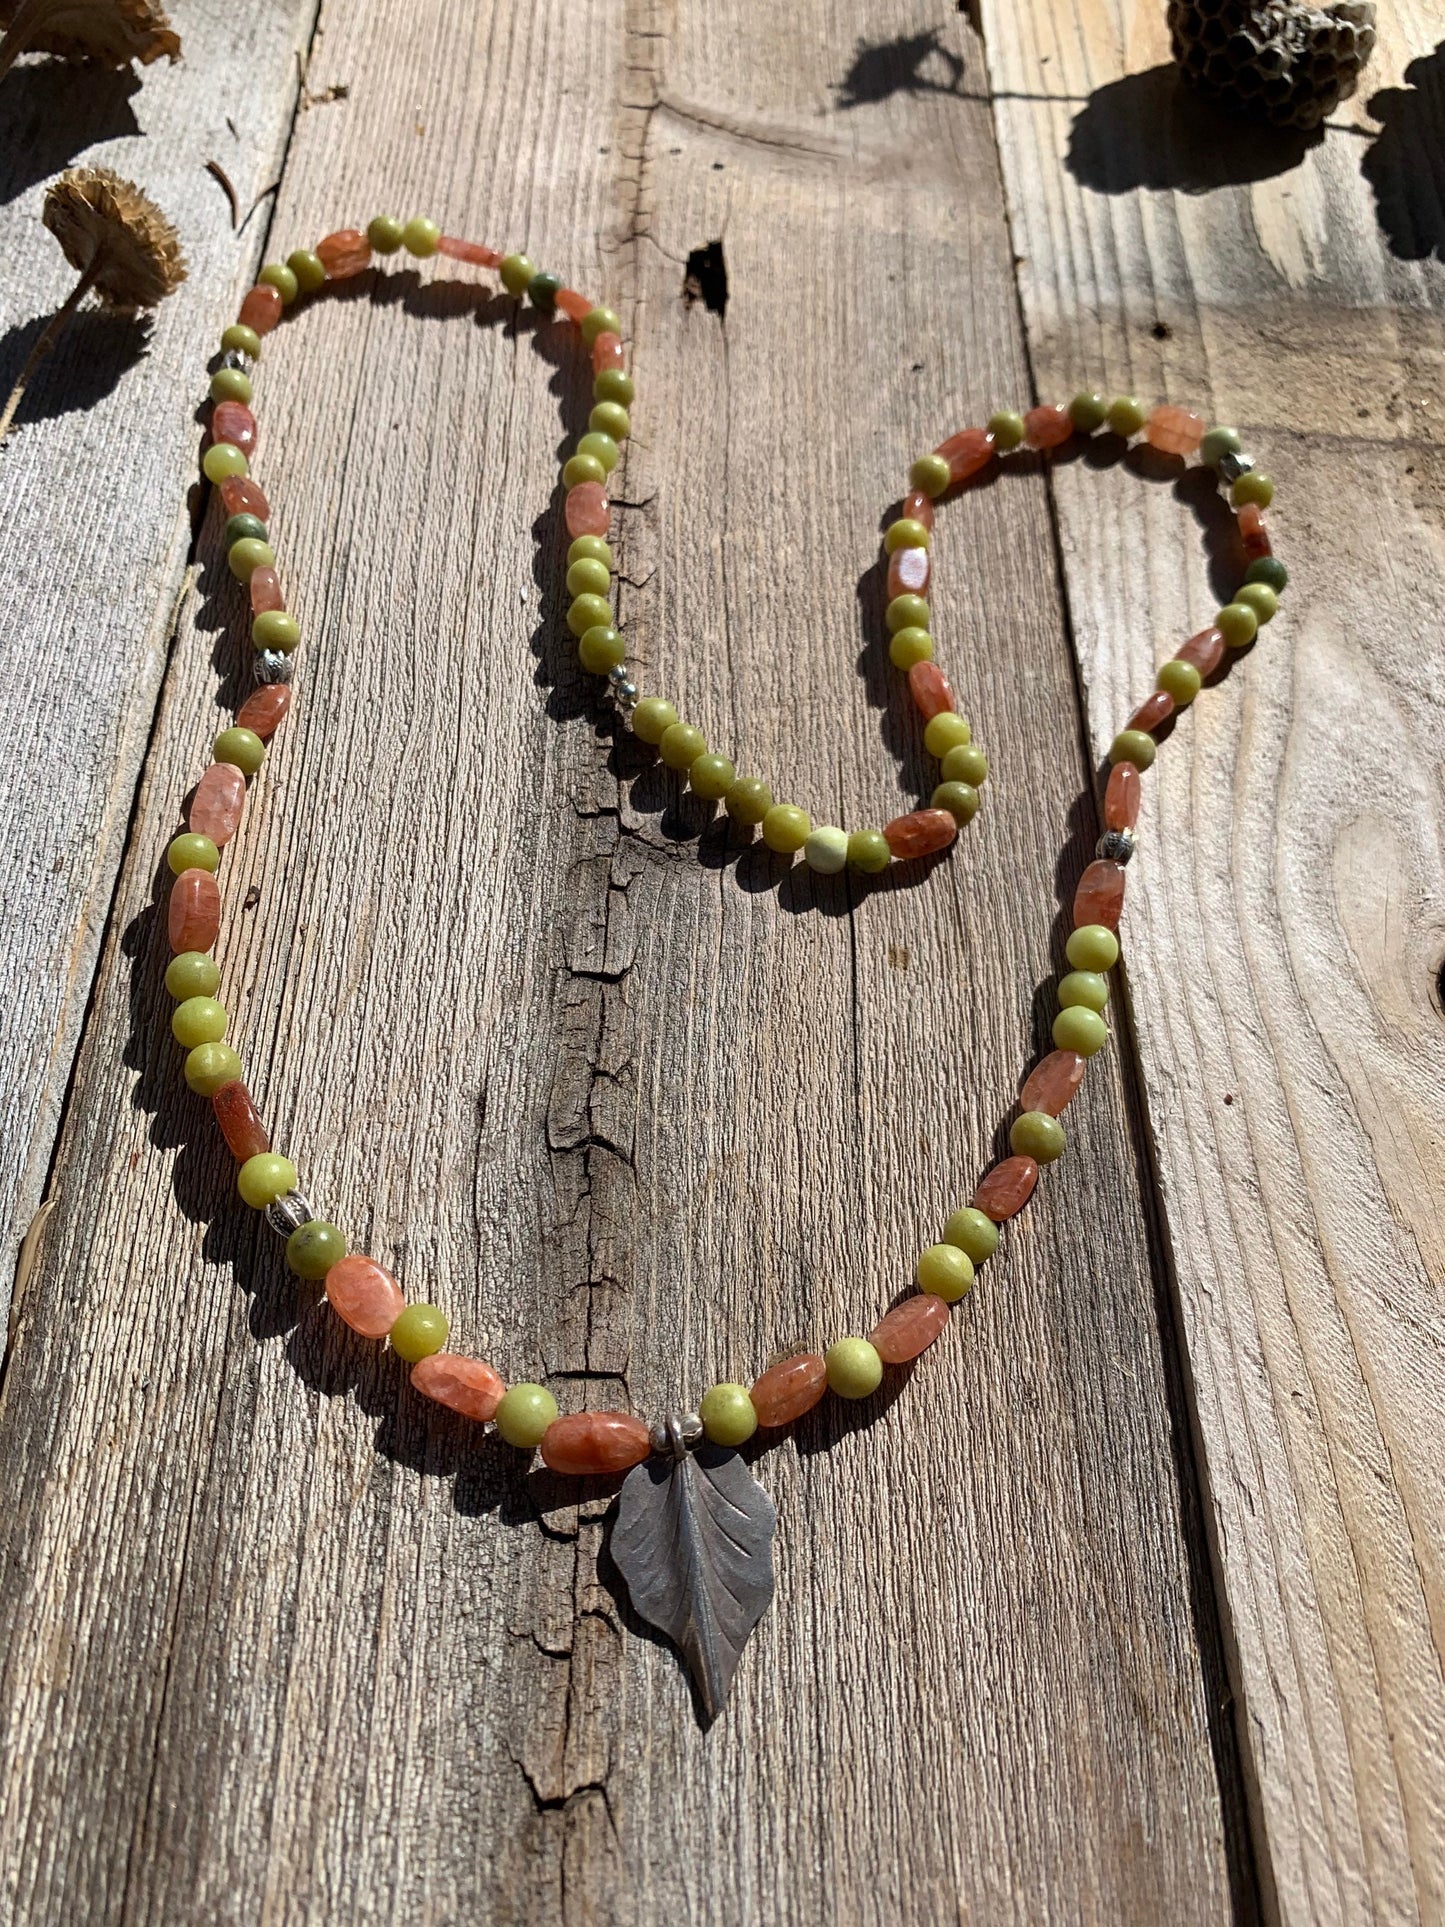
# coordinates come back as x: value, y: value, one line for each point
x: 1274, y: 61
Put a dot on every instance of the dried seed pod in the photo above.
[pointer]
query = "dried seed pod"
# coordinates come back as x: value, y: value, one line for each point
x: 1273, y: 60
x: 113, y: 32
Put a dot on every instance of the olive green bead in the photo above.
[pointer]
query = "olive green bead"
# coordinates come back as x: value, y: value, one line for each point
x: 1007, y: 428
x: 868, y: 851
x: 192, y: 852
x: 973, y: 1233
x: 589, y: 548
x: 1038, y: 1136
x: 589, y: 612
x: 651, y: 718
x: 192, y: 974
x: 601, y: 649
x: 524, y: 1415
x: 1253, y: 487
x: 209, y: 1066
x: 230, y: 384
x: 786, y: 829
x: 601, y: 448
x: 582, y: 468
x: 613, y: 384
x: 1269, y: 570
x: 588, y: 577
x: 542, y: 292
x: 905, y: 533
x: 243, y: 558
x: 1079, y: 1029
x: 944, y: 1271
x: 906, y: 612
x: 1237, y: 623
x: 908, y: 646
x: 944, y: 732
x: 1259, y: 597
x: 309, y: 270
x: 199, y: 1020
x: 277, y: 275
x: 711, y: 776
x: 241, y: 748
x: 242, y: 528
x: 600, y: 321
x: 965, y: 763
x: 1093, y: 946
x: 238, y: 339
x: 930, y: 473
x: 1088, y: 410
x: 680, y: 745
x: 1086, y: 988
x: 959, y: 799
x: 611, y: 418
x: 854, y: 1368
x: 222, y: 460
x: 748, y: 800
x: 727, y: 1414
x: 420, y: 1331
x: 516, y: 272
x: 420, y: 236
x: 1218, y: 443
x: 275, y: 629
x: 313, y: 1248
x: 1134, y: 746
x: 385, y: 233
x: 1181, y: 680
x: 264, y: 1178
x: 1125, y: 416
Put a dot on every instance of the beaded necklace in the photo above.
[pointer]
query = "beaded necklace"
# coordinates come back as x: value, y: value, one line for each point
x: 693, y: 1531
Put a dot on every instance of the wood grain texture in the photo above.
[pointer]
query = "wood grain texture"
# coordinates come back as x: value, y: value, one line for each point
x: 94, y: 521
x: 1284, y: 948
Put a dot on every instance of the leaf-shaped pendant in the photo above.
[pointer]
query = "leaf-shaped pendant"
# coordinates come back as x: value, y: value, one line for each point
x: 694, y: 1541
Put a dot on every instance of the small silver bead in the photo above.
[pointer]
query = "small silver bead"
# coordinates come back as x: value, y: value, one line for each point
x: 272, y: 665
x: 617, y: 674
x: 1232, y: 466
x: 677, y: 1434
x: 627, y: 694
x: 237, y: 358
x: 288, y: 1214
x: 1117, y: 846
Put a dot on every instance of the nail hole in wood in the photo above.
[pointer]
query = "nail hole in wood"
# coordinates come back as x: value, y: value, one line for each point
x: 706, y: 278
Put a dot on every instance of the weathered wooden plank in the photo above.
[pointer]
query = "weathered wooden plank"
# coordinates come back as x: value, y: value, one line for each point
x: 1284, y: 947
x: 278, y: 1643
x: 93, y: 516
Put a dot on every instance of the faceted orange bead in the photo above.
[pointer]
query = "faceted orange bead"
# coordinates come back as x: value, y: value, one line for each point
x: 264, y: 708
x: 466, y: 1385
x: 217, y: 804
x: 908, y: 572
x: 606, y: 351
x: 1052, y: 1082
x: 344, y: 253
x: 588, y: 510
x: 364, y: 1295
x: 261, y: 309
x: 194, y: 911
x: 910, y: 1328
x: 966, y: 453
x: 232, y: 421
x: 1046, y: 427
x: 918, y: 507
x: 265, y: 591
x: 787, y: 1390
x: 595, y: 1442
x: 1156, y: 708
x: 1100, y: 895
x: 1174, y: 431
x: 241, y: 496
x: 930, y: 689
x: 575, y: 306
x: 480, y: 257
x: 246, y: 1136
x: 1252, y: 532
x: 1006, y: 1189
x: 1121, y: 797
x: 920, y: 833
x: 1204, y: 651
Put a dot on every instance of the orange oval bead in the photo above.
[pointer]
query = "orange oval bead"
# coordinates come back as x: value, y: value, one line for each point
x: 966, y: 453
x: 479, y: 256
x: 575, y: 306
x: 1174, y: 431
x: 1100, y: 895
x: 1252, y: 532
x: 364, y: 1295
x: 930, y: 689
x: 1006, y: 1189
x: 1052, y: 1082
x: 920, y: 833
x: 217, y: 803
x: 606, y: 351
x: 344, y: 253
x: 464, y: 1385
x: 1204, y: 651
x: 1046, y: 427
x: 261, y: 309
x: 910, y: 1328
x: 588, y: 510
x: 908, y: 572
x: 241, y: 496
x: 1156, y: 708
x: 265, y: 591
x: 264, y: 708
x: 1121, y: 797
x: 595, y: 1442
x: 232, y: 421
x: 786, y: 1390
x: 194, y: 911
x: 246, y: 1136
x: 918, y: 507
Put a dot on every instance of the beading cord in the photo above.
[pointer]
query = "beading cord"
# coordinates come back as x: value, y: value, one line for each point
x: 362, y: 1292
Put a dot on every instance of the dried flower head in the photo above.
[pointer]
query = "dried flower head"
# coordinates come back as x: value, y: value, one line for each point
x: 114, y: 32
x: 118, y: 239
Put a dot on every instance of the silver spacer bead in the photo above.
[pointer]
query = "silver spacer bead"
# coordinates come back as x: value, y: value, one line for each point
x: 288, y: 1214
x: 626, y: 693
x: 1115, y: 845
x: 617, y: 674
x: 237, y: 358
x: 273, y: 665
x: 1232, y: 466
x: 678, y: 1434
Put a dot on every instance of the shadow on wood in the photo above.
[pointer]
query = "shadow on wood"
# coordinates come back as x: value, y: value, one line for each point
x: 1405, y: 166
x: 1149, y: 130
x: 53, y: 111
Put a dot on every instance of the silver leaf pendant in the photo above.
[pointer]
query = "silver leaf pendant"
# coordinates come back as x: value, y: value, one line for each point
x: 694, y: 1541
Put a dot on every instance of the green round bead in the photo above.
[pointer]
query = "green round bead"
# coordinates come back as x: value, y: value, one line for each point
x: 601, y: 448
x: 582, y: 468
x: 542, y: 292
x: 944, y: 732
x: 959, y: 799
x: 1007, y: 429
x: 243, y: 558
x: 524, y: 1415
x: 222, y: 460
x: 1093, y: 946
x: 1259, y: 597
x: 242, y: 528
x: 1237, y: 623
x: 1038, y: 1136
x: 680, y: 745
x: 1125, y: 416
x: 309, y: 270
x: 1269, y: 570
x: 1181, y: 680
x: 516, y: 272
x: 652, y: 716
x: 1086, y: 988
x: 313, y: 1248
x: 1218, y: 443
x: 241, y: 748
x: 727, y: 1414
x: 199, y: 1020
x: 930, y: 473
x: 786, y: 829
x: 973, y: 1233
x: 854, y: 1368
x: 711, y: 776
x: 945, y: 1271
x: 611, y: 418
x: 905, y: 533
x: 601, y: 649
x: 420, y: 236
x: 209, y: 1066
x: 588, y: 577
x: 600, y: 321
x: 385, y: 233
x: 1088, y: 411
x: 1079, y: 1029
x: 589, y: 612
x: 275, y: 629
x: 230, y: 384
x: 613, y: 384
x: 1134, y: 746
x: 277, y: 275
x: 906, y: 612
x: 420, y: 1331
x: 748, y: 800
x: 1254, y: 487
x: 908, y: 646
x: 965, y: 763
x: 192, y: 852
x: 264, y: 1178
x: 238, y: 339
x: 589, y: 548
x: 868, y: 851
x: 192, y: 973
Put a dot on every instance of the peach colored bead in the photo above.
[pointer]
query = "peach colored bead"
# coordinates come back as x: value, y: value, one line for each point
x: 1046, y: 427
x: 920, y: 833
x: 595, y: 1442
x: 480, y: 257
x: 1052, y: 1082
x: 265, y: 591
x: 344, y: 253
x: 364, y: 1295
x: 264, y: 708
x: 1156, y: 708
x: 261, y: 309
x: 194, y: 912
x: 785, y: 1391
x: 1204, y: 651
x: 246, y: 1136
x: 588, y: 510
x: 575, y: 306
x: 1174, y: 431
x: 1252, y: 532
x: 966, y: 453
x: 1100, y: 895
x: 217, y: 804
x: 918, y: 507
x: 465, y: 1385
x: 1006, y: 1189
x: 241, y: 496
x: 232, y: 421
x: 908, y: 572
x: 1121, y: 797
x: 910, y: 1328
x: 930, y: 689
x: 606, y: 351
